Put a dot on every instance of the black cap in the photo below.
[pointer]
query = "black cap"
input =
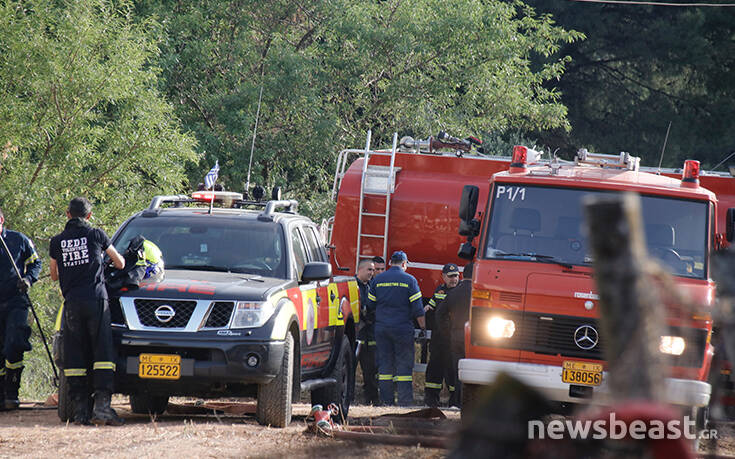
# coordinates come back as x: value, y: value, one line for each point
x: 450, y: 268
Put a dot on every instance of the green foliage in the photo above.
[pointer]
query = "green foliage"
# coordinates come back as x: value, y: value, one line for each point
x: 81, y: 115
x: 331, y: 70
x: 641, y: 68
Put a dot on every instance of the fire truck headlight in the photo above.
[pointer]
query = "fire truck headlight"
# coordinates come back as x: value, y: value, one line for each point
x: 673, y: 345
x: 498, y: 327
x: 251, y: 313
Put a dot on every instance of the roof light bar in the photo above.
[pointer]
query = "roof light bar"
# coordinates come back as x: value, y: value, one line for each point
x: 217, y: 196
x: 622, y: 161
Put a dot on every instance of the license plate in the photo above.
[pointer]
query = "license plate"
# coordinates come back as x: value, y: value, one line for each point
x: 159, y: 366
x: 583, y: 373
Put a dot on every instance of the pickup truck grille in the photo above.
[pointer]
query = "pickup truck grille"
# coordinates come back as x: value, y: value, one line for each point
x: 554, y: 334
x: 146, y: 310
x: 220, y: 315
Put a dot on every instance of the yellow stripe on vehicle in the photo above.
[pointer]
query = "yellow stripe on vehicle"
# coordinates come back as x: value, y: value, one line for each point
x: 335, y: 301
x: 308, y: 300
x: 286, y: 310
x: 354, y: 299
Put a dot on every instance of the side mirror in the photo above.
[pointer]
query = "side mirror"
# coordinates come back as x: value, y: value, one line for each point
x: 730, y: 224
x: 316, y: 271
x: 468, y: 203
x: 466, y: 251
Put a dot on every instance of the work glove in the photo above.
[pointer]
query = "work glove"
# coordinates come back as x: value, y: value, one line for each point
x: 23, y: 284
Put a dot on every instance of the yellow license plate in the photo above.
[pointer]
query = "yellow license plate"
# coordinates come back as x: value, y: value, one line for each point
x: 159, y: 366
x: 582, y: 373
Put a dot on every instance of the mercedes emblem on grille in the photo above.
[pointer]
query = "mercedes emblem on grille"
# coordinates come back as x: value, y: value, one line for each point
x: 164, y: 313
x: 586, y: 337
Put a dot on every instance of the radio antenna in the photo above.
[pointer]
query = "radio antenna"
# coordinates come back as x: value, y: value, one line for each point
x: 661, y: 160
x: 255, y: 132
x: 723, y: 161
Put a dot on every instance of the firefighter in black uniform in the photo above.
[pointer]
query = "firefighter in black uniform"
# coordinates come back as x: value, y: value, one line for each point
x: 76, y: 261
x: 14, y: 303
x: 439, y: 368
x: 452, y: 313
x: 366, y: 334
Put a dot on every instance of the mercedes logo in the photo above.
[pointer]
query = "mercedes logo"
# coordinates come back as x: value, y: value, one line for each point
x: 164, y: 313
x: 586, y: 337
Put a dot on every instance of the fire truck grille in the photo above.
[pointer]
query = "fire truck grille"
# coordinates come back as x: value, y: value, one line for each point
x: 569, y: 336
x: 220, y: 315
x: 164, y: 313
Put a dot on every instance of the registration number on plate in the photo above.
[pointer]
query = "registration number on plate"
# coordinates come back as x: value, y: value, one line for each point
x: 583, y: 373
x: 159, y: 366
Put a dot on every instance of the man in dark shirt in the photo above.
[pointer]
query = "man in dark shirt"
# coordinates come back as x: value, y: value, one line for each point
x: 366, y: 334
x: 76, y: 262
x: 14, y: 303
x: 453, y: 312
x: 379, y: 263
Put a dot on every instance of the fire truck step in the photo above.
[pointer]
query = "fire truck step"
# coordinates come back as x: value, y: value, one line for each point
x: 380, y: 236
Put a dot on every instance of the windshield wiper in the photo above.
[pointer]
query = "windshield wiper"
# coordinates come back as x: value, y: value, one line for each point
x: 223, y: 269
x: 537, y: 257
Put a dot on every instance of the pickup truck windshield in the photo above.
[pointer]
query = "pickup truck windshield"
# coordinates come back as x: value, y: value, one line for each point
x: 536, y: 223
x: 221, y: 244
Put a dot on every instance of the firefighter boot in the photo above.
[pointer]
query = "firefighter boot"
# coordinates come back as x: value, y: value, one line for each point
x: 102, y: 413
x: 12, y: 384
x: 81, y: 409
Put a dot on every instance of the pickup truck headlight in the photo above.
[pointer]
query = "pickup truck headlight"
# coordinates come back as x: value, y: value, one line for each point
x: 673, y: 345
x: 498, y: 327
x: 252, y: 313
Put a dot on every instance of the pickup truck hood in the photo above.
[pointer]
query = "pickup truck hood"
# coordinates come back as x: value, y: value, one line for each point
x: 189, y: 284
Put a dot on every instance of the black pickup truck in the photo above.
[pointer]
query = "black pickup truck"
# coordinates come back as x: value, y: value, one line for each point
x: 248, y: 307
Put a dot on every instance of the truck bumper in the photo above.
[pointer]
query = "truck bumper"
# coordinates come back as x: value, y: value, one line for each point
x: 547, y: 380
x: 207, y: 365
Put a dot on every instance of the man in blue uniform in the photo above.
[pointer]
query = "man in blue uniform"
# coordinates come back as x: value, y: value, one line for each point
x: 14, y: 303
x: 396, y: 297
x: 439, y: 369
x: 76, y: 261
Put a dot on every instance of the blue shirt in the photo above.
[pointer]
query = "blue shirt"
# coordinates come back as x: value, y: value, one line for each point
x: 26, y: 259
x: 396, y: 297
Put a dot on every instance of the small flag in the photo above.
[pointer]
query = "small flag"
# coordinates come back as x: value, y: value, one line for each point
x: 211, y: 176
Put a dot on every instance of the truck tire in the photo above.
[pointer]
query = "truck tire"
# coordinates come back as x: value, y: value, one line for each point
x: 148, y: 404
x: 469, y: 399
x: 274, y: 398
x: 65, y: 407
x: 342, y: 392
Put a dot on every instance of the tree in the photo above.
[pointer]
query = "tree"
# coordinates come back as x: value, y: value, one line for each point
x: 642, y: 67
x: 331, y: 70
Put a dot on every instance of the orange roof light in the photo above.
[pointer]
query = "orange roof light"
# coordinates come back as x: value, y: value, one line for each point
x: 690, y: 177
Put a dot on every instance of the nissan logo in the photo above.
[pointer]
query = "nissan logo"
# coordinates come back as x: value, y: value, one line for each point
x: 586, y: 337
x: 164, y: 313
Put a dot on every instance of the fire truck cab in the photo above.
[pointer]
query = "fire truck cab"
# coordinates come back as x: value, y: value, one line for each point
x: 534, y: 309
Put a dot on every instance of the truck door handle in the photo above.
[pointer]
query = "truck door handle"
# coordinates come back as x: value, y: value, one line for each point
x: 332, y: 296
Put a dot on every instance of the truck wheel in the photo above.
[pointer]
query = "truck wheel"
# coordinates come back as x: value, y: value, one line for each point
x: 148, y: 404
x: 274, y: 398
x: 342, y: 392
x: 469, y: 399
x: 65, y: 407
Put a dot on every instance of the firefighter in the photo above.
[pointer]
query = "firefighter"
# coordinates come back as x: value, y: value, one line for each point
x: 396, y: 297
x: 14, y: 304
x: 76, y: 262
x: 379, y: 265
x: 452, y: 313
x: 439, y: 369
x: 366, y: 334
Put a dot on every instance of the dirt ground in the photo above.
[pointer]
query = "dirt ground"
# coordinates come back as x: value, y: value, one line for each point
x: 34, y: 431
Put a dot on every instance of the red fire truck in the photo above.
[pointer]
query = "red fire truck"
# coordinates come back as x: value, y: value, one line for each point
x: 528, y: 230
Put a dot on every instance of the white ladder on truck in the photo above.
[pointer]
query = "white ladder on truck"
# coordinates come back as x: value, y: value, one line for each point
x: 376, y: 181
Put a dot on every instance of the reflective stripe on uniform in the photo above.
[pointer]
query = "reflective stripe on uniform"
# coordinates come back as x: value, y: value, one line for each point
x: 385, y: 377
x: 32, y: 258
x: 2, y: 371
x: 440, y: 296
x: 451, y: 388
x: 403, y: 378
x: 371, y: 343
x: 13, y: 366
x: 75, y: 372
x: 431, y: 385
x: 371, y: 297
x: 414, y: 297
x: 104, y: 366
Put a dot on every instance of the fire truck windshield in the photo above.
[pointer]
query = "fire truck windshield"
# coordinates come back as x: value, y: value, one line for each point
x: 221, y: 244
x: 544, y: 224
